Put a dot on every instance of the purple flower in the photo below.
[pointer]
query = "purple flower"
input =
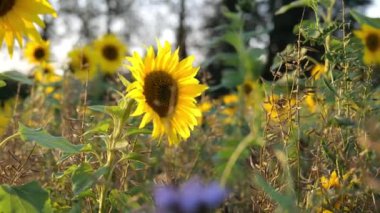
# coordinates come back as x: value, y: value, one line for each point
x: 166, y: 198
x: 191, y: 197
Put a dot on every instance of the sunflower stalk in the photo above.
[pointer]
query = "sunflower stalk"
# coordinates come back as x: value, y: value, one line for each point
x: 111, y: 161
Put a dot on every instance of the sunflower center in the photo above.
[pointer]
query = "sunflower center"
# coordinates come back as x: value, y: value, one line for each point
x: 85, y: 64
x: 372, y: 42
x: 247, y: 88
x: 6, y: 6
x: 161, y: 92
x: 46, y: 71
x: 110, y: 52
x: 39, y: 53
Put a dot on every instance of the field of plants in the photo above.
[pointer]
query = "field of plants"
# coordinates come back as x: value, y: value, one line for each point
x: 110, y: 129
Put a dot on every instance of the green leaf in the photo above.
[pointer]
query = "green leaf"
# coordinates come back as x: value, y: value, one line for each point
x: 100, y: 127
x: 374, y: 22
x: 110, y: 110
x: 16, y: 76
x: 84, y: 177
x: 294, y: 4
x: 231, y: 79
x: 136, y: 131
x: 330, y: 87
x: 286, y: 202
x: 133, y: 156
x: 28, y: 198
x: 124, y: 81
x: 2, y: 83
x: 43, y: 138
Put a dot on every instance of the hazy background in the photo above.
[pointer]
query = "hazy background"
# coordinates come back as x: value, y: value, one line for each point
x: 188, y: 23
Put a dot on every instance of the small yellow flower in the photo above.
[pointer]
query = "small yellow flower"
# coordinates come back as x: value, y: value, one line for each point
x: 310, y: 102
x: 230, y: 99
x: 18, y: 19
x: 279, y: 109
x: 333, y: 181
x: 37, y: 52
x: 111, y: 53
x: 370, y: 38
x: 229, y: 111
x: 205, y: 106
x: 83, y: 63
x: 6, y: 111
x: 317, y: 71
x: 46, y: 75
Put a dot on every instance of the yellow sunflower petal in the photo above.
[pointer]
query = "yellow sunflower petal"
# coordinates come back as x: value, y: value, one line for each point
x: 165, y: 90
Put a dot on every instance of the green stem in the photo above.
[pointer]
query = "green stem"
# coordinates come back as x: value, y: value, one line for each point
x: 6, y: 140
x: 234, y: 157
x: 111, y: 163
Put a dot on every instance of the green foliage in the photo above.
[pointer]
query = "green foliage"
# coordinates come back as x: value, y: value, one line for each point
x: 16, y: 76
x: 295, y: 4
x: 43, y: 138
x: 286, y: 202
x: 2, y: 83
x: 27, y: 198
x: 84, y: 177
x: 361, y: 19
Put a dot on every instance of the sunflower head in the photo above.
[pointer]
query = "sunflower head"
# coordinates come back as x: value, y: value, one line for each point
x: 370, y: 38
x: 165, y: 91
x: 82, y: 63
x: 17, y: 19
x: 37, y: 52
x: 111, y: 52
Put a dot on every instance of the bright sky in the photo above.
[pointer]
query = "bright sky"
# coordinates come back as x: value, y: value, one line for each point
x: 160, y: 29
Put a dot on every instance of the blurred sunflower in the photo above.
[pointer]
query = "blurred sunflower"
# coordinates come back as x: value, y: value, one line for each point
x: 230, y: 114
x: 37, y: 52
x: 111, y: 52
x: 370, y: 38
x: 44, y: 73
x: 318, y: 70
x: 17, y: 19
x: 205, y: 106
x: 279, y: 109
x: 82, y: 63
x: 230, y: 99
x: 165, y: 90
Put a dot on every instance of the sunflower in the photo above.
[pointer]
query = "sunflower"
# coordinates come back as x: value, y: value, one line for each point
x: 317, y: 71
x: 17, y: 19
x: 83, y: 63
x: 37, y: 52
x: 370, y: 38
x: 44, y: 73
x: 165, y: 90
x: 110, y: 51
